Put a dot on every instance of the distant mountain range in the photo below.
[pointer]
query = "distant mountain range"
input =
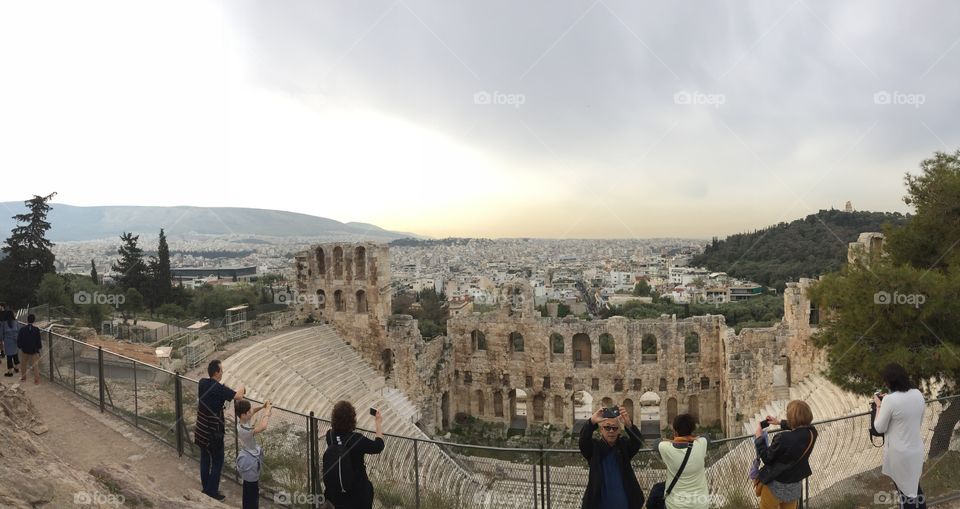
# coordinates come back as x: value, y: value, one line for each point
x: 70, y: 222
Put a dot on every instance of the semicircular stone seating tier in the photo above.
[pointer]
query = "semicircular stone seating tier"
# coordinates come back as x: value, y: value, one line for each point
x: 310, y: 369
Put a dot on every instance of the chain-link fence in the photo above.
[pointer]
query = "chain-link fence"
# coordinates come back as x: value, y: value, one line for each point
x: 428, y: 474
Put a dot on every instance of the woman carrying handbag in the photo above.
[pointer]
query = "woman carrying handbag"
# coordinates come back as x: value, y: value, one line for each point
x: 786, y: 459
x: 685, y: 458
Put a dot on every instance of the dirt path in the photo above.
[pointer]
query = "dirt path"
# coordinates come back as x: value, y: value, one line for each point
x: 82, y: 437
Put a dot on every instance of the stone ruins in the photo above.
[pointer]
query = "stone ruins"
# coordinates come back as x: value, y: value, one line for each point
x: 514, y: 367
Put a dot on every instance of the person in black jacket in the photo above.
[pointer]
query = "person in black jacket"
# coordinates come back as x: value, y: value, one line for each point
x: 343, y: 422
x: 786, y: 460
x: 30, y: 344
x: 611, y: 483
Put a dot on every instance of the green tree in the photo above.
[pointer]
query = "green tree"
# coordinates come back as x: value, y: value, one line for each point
x: 641, y: 289
x: 929, y: 240
x: 132, y: 303
x: 130, y: 268
x: 28, y: 252
x: 52, y: 290
x: 160, y: 291
x: 93, y: 273
x: 902, y: 307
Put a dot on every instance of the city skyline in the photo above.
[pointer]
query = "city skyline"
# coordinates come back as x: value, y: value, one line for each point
x: 599, y: 120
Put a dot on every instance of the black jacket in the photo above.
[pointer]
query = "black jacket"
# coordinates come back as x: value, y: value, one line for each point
x: 626, y: 448
x: 361, y: 494
x: 784, y: 459
x: 28, y: 339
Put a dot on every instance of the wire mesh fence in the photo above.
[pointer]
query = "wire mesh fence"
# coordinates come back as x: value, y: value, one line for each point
x: 414, y: 472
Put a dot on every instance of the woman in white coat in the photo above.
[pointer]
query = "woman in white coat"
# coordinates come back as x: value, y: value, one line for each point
x: 900, y: 417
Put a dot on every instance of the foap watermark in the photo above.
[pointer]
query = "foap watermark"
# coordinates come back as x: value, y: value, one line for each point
x: 497, y: 98
x: 700, y: 500
x: 298, y: 498
x: 697, y: 98
x: 889, y: 498
x: 111, y: 299
x: 96, y: 498
x: 898, y: 98
x: 910, y: 299
x: 299, y: 299
x: 709, y: 299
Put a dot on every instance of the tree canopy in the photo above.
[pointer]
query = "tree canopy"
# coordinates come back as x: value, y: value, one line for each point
x: 902, y: 305
x: 807, y: 247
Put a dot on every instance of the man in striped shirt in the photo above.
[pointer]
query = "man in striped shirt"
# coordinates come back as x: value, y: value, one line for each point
x: 210, y: 429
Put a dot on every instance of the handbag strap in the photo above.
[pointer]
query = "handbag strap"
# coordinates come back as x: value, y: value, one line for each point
x: 683, y: 465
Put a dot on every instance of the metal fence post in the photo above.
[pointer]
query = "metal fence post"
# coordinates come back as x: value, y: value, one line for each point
x: 546, y: 461
x: 536, y: 505
x: 50, y: 344
x: 315, y: 489
x: 136, y: 402
x: 416, y: 473
x: 543, y: 492
x: 100, y: 378
x: 178, y: 411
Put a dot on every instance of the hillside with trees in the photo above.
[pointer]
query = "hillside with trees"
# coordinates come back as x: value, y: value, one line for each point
x: 808, y: 247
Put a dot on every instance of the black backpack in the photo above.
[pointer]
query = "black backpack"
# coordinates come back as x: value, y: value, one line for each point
x: 337, y: 467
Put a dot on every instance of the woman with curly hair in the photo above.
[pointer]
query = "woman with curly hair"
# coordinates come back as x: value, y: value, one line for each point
x: 344, y: 473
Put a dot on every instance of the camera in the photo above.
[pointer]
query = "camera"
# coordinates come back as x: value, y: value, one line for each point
x: 764, y: 424
x: 373, y: 412
x: 611, y: 412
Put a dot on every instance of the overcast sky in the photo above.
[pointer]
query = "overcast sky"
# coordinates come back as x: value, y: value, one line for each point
x: 603, y: 118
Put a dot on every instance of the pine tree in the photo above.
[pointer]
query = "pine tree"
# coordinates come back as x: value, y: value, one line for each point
x: 162, y: 274
x: 28, y: 252
x: 93, y: 273
x: 130, y: 268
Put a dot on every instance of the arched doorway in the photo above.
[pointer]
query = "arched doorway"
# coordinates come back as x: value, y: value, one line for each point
x: 321, y: 263
x: 581, y: 351
x: 558, y: 408
x: 671, y: 410
x: 360, y: 262
x: 650, y: 415
x: 321, y: 299
x: 477, y: 404
x: 361, y: 301
x: 338, y: 262
x: 582, y: 408
x: 628, y: 404
x: 538, y: 404
x: 693, y: 407
x: 518, y: 409
x: 497, y: 404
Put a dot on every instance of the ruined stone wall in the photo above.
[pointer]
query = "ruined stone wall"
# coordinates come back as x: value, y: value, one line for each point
x: 488, y: 360
x: 749, y: 378
x: 485, y: 376
x: 349, y: 286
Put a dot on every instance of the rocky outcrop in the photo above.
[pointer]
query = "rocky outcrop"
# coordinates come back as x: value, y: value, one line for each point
x: 33, y: 476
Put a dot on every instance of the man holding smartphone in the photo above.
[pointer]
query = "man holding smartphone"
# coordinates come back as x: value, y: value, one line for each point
x: 611, y: 483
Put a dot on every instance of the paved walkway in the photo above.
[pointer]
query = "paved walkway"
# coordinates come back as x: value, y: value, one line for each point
x: 82, y: 437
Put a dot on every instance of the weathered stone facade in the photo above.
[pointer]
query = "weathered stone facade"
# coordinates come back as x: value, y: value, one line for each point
x: 514, y: 367
x: 348, y: 285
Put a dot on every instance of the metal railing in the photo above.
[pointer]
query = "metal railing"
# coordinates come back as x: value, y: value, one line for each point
x: 432, y: 474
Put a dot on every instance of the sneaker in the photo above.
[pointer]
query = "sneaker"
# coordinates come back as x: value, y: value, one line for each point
x: 16, y: 370
x: 8, y: 374
x: 219, y: 496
